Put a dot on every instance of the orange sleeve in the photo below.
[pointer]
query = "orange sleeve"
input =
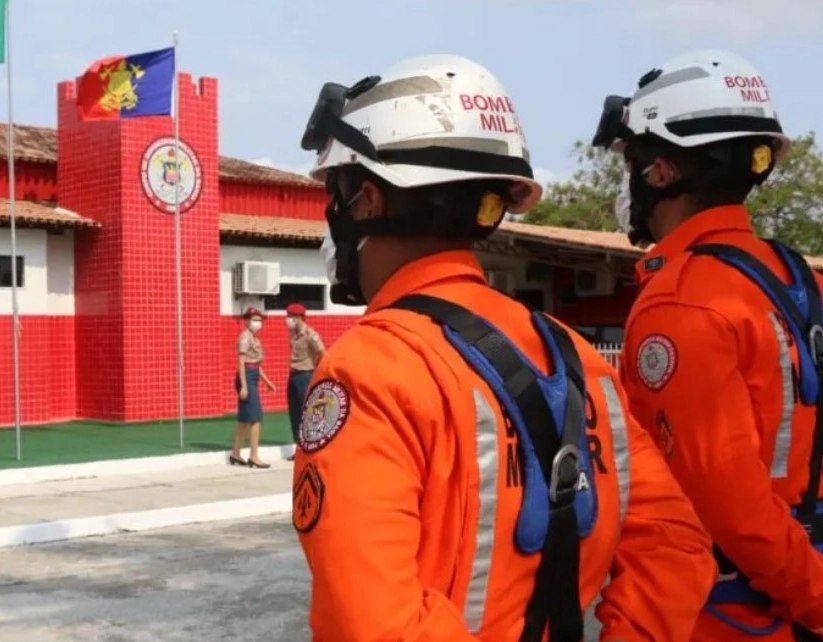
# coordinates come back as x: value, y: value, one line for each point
x: 663, y: 568
x: 361, y: 536
x: 698, y: 397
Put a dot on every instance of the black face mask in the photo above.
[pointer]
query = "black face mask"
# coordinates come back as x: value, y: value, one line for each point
x: 642, y: 205
x: 346, y: 239
x: 644, y: 199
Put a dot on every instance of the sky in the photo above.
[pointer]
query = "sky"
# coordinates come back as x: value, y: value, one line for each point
x: 557, y: 58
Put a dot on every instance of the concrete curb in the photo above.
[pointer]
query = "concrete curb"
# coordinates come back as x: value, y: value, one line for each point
x: 135, y: 466
x: 63, y: 529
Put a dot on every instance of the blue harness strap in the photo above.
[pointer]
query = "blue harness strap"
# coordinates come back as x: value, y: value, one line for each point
x: 799, y: 303
x: 559, y: 504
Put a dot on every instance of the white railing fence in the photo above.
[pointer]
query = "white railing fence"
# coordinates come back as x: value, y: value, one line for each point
x: 610, y: 351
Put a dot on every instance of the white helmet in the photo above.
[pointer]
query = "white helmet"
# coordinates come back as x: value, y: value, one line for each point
x: 695, y: 99
x: 428, y: 120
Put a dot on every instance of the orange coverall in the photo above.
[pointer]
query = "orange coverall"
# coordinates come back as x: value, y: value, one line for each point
x: 719, y: 397
x: 406, y: 513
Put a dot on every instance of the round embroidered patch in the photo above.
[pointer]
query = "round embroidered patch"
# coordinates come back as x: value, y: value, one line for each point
x: 656, y: 361
x: 324, y: 414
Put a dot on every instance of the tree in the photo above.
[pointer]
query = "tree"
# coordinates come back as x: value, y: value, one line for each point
x: 788, y: 207
x: 586, y: 201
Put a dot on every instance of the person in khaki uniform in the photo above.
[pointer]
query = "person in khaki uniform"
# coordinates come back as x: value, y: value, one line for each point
x: 306, y: 351
x: 247, y: 384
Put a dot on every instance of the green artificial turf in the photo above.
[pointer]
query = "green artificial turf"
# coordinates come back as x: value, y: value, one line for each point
x: 83, y: 441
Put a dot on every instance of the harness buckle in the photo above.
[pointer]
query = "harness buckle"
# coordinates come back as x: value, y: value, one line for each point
x: 816, y: 344
x: 565, y: 475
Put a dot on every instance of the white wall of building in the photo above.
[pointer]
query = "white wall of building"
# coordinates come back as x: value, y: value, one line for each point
x: 297, y: 265
x: 48, y: 287
x: 49, y: 274
x: 60, y: 273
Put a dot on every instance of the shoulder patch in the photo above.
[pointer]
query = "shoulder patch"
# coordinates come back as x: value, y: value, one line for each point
x: 307, y: 499
x: 656, y: 361
x: 664, y: 436
x: 324, y: 414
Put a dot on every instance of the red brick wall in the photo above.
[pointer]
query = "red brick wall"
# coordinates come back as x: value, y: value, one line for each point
x: 125, y: 272
x: 276, y: 345
x: 47, y: 370
x: 596, y: 310
x: 32, y: 181
x: 261, y: 200
x: 50, y: 374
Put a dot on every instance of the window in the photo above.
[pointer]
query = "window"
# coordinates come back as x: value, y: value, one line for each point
x: 601, y: 333
x: 533, y: 298
x: 611, y: 334
x: 5, y: 271
x: 310, y: 295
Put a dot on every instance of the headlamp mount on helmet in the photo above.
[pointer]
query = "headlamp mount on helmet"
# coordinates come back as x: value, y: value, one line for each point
x: 613, y: 121
x: 612, y: 126
x: 326, y: 123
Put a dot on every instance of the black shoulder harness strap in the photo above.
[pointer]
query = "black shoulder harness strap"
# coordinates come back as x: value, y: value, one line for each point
x: 556, y: 595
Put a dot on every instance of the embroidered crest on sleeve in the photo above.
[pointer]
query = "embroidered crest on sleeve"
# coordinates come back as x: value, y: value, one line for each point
x: 664, y: 435
x: 324, y: 415
x: 656, y: 361
x: 307, y: 499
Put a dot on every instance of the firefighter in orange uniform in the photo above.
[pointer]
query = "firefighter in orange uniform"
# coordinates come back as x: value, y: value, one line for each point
x: 447, y: 487
x: 723, y: 353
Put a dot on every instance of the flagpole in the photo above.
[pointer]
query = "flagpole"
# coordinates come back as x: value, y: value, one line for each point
x: 178, y: 251
x: 15, y: 312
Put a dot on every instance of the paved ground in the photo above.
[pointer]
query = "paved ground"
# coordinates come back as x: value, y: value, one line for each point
x: 244, y: 581
x: 74, y: 498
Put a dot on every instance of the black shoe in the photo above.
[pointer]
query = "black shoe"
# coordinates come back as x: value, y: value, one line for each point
x: 258, y: 464
x: 237, y: 461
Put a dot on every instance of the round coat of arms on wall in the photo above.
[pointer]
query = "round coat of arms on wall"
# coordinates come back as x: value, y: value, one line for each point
x: 165, y: 170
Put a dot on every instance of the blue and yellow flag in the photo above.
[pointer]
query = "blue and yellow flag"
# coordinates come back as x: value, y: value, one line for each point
x: 127, y: 86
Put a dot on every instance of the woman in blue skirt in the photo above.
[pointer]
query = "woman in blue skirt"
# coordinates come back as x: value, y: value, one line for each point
x: 247, y: 384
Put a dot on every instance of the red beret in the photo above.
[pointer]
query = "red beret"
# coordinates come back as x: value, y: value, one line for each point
x: 253, y: 312
x: 296, y: 309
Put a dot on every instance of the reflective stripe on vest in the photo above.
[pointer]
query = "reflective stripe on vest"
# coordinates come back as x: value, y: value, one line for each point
x: 488, y: 465
x: 783, y: 439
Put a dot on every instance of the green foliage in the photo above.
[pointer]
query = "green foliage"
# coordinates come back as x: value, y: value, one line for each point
x: 788, y: 207
x: 586, y: 201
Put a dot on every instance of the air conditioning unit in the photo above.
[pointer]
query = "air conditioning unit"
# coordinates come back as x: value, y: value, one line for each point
x: 589, y: 283
x: 257, y: 277
x: 498, y: 279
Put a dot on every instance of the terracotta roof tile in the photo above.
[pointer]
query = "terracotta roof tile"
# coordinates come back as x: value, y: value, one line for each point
x: 576, y: 238
x: 264, y: 227
x: 34, y: 213
x: 39, y: 144
x: 585, y: 239
x: 244, y: 225
x: 240, y: 170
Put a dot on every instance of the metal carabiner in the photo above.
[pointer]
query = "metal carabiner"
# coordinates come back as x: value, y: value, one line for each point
x: 569, y: 451
x: 816, y: 344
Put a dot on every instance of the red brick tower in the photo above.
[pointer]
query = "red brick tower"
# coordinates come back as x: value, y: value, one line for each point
x: 114, y: 172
